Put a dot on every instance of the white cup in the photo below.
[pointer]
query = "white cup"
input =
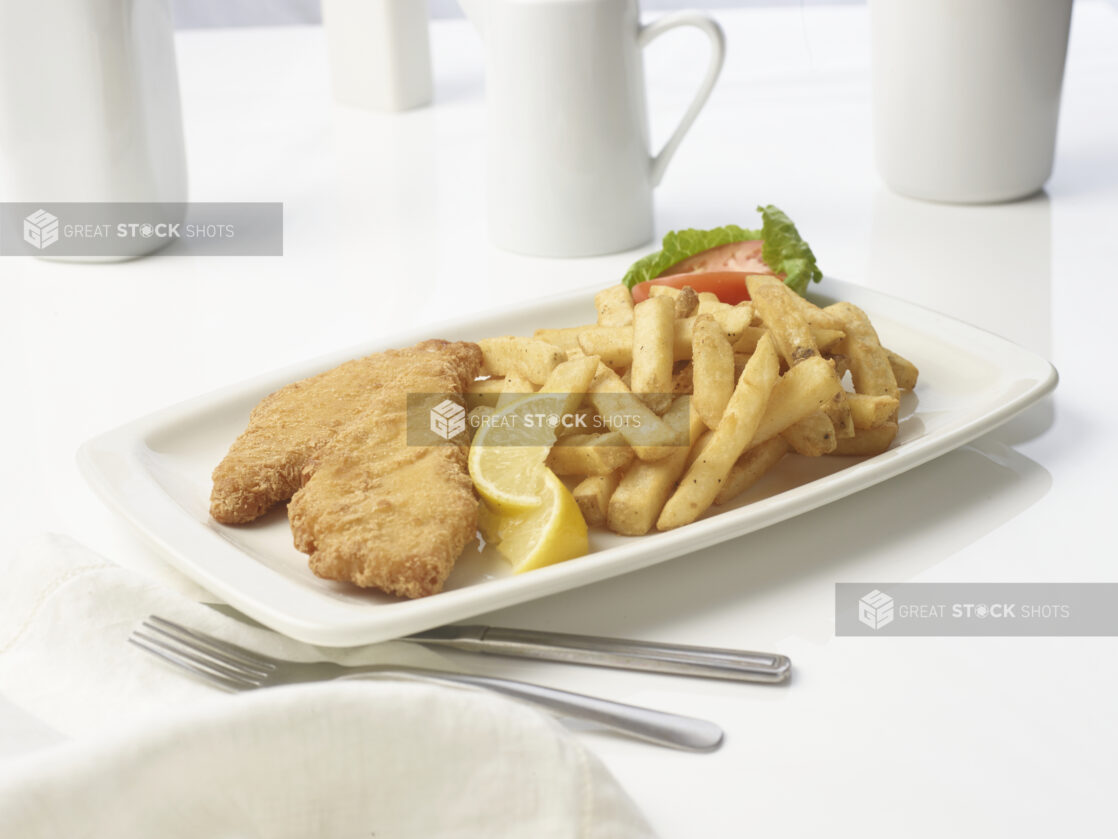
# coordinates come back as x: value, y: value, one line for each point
x: 570, y: 172
x: 89, y: 106
x: 966, y: 95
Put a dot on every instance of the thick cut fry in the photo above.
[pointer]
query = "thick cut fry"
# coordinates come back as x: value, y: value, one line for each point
x: 589, y: 454
x: 812, y: 436
x: 734, y: 434
x: 806, y: 388
x: 650, y: 437
x: 904, y: 370
x: 825, y: 339
x: 636, y: 503
x: 571, y: 380
x: 653, y: 351
x: 530, y: 358
x: 565, y: 339
x: 871, y: 411
x: 484, y: 392
x: 614, y: 344
x: 751, y: 467
x: 614, y: 305
x: 686, y: 302
x: 868, y: 442
x: 713, y: 369
x: 513, y: 388
x: 592, y: 496
x: 685, y: 299
x: 773, y: 301
x: 870, y: 369
x: 814, y: 316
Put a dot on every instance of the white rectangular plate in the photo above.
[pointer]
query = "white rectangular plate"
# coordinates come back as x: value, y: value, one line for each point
x: 156, y: 473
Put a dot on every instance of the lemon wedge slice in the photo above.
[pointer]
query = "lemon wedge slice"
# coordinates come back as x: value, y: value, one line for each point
x: 553, y: 531
x: 506, y: 459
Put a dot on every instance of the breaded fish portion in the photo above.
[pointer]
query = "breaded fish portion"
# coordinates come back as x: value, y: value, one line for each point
x: 379, y: 513
x: 264, y: 465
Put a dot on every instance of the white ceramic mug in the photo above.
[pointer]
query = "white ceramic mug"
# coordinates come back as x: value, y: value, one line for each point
x: 570, y: 172
x: 966, y: 95
x: 89, y: 105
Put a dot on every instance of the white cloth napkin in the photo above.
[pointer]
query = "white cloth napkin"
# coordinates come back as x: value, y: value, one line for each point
x: 159, y: 754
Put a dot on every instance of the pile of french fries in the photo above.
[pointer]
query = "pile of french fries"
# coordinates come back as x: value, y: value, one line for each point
x: 722, y: 393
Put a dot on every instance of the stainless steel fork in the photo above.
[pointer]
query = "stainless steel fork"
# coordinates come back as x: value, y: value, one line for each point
x: 235, y: 668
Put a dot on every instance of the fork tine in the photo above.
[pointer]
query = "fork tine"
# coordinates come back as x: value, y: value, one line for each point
x: 195, y: 651
x: 238, y: 656
x: 172, y: 658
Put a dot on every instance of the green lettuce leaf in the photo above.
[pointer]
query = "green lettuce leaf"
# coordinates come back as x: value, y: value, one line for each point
x: 678, y: 245
x: 783, y: 250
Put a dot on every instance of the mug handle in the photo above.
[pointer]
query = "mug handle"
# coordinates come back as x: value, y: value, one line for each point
x: 712, y: 30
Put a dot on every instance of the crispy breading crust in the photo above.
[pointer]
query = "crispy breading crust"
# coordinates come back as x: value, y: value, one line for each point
x: 264, y: 465
x: 379, y: 513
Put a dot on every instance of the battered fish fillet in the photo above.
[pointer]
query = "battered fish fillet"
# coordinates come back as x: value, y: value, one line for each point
x: 264, y: 465
x: 380, y: 513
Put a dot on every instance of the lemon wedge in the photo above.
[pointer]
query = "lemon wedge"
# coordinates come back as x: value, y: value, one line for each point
x: 506, y: 459
x: 553, y: 531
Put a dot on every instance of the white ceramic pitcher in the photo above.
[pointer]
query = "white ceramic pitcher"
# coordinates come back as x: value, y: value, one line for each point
x: 570, y: 172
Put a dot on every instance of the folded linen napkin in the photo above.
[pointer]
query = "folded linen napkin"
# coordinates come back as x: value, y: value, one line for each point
x: 163, y: 755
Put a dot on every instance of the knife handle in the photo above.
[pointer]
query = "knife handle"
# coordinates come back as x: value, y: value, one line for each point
x: 676, y: 659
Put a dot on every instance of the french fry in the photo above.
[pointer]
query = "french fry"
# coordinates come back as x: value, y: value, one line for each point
x: 713, y: 369
x: 650, y: 437
x: 867, y: 442
x: 804, y: 389
x: 593, y: 494
x: 484, y: 392
x: 571, y: 380
x: 645, y: 486
x: 710, y: 305
x: 530, y: 358
x: 904, y: 370
x: 614, y: 344
x: 653, y: 345
x: 686, y: 302
x: 751, y: 467
x: 514, y: 387
x: 778, y: 307
x: 565, y: 339
x: 773, y: 301
x: 589, y: 454
x: 701, y: 483
x: 685, y: 299
x: 813, y: 315
x: 871, y: 411
x: 825, y: 339
x: 870, y: 369
x: 812, y: 436
x: 615, y: 306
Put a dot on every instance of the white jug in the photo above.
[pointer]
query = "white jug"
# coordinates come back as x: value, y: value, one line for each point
x: 89, y: 105
x: 570, y: 172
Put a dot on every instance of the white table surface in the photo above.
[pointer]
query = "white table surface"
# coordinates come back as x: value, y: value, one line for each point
x: 385, y: 228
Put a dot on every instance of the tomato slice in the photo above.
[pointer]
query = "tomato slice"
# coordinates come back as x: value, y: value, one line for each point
x: 728, y: 285
x: 735, y: 256
x: 721, y: 270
